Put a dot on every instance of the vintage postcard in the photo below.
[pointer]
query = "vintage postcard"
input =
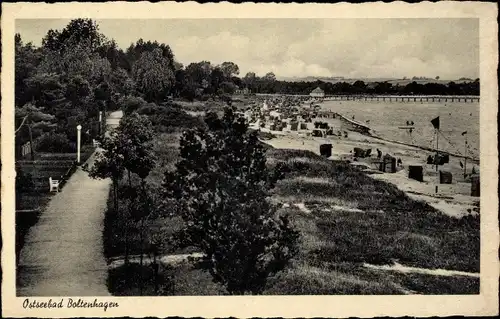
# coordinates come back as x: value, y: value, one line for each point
x: 249, y: 160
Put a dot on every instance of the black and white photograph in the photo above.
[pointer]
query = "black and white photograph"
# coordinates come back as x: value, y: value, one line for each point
x: 246, y: 157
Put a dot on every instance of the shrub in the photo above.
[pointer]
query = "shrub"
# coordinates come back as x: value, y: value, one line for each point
x: 168, y: 119
x: 204, y: 97
x: 130, y: 104
x: 24, y: 182
x: 54, y: 143
x: 148, y: 109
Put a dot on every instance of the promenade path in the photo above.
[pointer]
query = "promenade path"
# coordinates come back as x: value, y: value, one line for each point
x: 63, y: 253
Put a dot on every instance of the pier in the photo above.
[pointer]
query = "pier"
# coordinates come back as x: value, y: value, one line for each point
x: 403, y: 98
x: 389, y: 98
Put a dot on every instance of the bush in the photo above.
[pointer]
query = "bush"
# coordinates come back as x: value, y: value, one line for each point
x: 205, y: 97
x: 188, y: 93
x: 149, y: 109
x: 24, y: 182
x: 169, y: 119
x: 130, y: 104
x: 54, y: 143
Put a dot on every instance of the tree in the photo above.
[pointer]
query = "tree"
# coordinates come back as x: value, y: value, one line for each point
x: 48, y: 91
x: 153, y: 76
x: 228, y: 87
x: 199, y: 73
x: 135, y: 51
x: 27, y: 59
x: 270, y: 77
x: 79, y: 30
x: 217, y: 78
x: 220, y: 190
x: 229, y: 69
x: 130, y: 104
x: 35, y: 120
x: 249, y: 80
x: 109, y: 163
x: 135, y: 136
x: 121, y: 84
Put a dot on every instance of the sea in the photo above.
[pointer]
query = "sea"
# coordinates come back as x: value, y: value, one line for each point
x: 387, y: 119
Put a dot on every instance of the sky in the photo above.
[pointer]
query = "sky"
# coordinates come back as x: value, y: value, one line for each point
x: 351, y: 48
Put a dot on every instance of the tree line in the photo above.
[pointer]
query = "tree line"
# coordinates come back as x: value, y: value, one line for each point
x: 264, y: 85
x: 78, y: 72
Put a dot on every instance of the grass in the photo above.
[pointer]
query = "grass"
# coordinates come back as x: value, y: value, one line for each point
x: 391, y: 227
x: 127, y: 279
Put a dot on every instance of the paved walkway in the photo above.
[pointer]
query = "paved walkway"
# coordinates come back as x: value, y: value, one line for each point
x: 63, y: 253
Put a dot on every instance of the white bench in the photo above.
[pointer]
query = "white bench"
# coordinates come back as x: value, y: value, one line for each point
x: 96, y: 143
x: 54, y: 184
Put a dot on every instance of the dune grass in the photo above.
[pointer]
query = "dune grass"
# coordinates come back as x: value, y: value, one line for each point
x: 392, y: 226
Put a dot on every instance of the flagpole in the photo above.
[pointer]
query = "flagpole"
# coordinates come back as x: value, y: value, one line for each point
x: 437, y: 157
x: 435, y: 123
x: 437, y: 149
x: 465, y: 155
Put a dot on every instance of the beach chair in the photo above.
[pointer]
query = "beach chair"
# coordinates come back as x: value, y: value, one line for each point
x: 54, y: 184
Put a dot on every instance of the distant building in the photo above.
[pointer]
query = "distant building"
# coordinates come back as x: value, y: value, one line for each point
x: 317, y: 92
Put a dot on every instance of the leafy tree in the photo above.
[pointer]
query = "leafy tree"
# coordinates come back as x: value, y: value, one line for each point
x: 270, y: 77
x: 135, y: 135
x: 109, y: 163
x: 135, y: 51
x: 121, y: 82
x: 199, y: 73
x: 249, y: 80
x: 229, y: 69
x: 220, y: 189
x: 79, y: 30
x: 228, y: 87
x: 217, y: 77
x: 77, y: 90
x: 181, y: 83
x: 116, y: 57
x: 236, y: 81
x: 35, y: 120
x: 153, y: 76
x: 130, y: 104
x: 27, y: 59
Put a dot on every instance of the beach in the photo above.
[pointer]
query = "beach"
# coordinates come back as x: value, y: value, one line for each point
x: 451, y: 199
x: 386, y: 118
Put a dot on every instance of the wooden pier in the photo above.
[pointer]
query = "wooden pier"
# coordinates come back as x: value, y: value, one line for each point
x: 387, y: 98
x: 403, y: 98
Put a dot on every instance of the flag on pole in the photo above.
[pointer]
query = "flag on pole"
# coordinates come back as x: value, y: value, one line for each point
x: 435, y: 122
x: 463, y: 133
